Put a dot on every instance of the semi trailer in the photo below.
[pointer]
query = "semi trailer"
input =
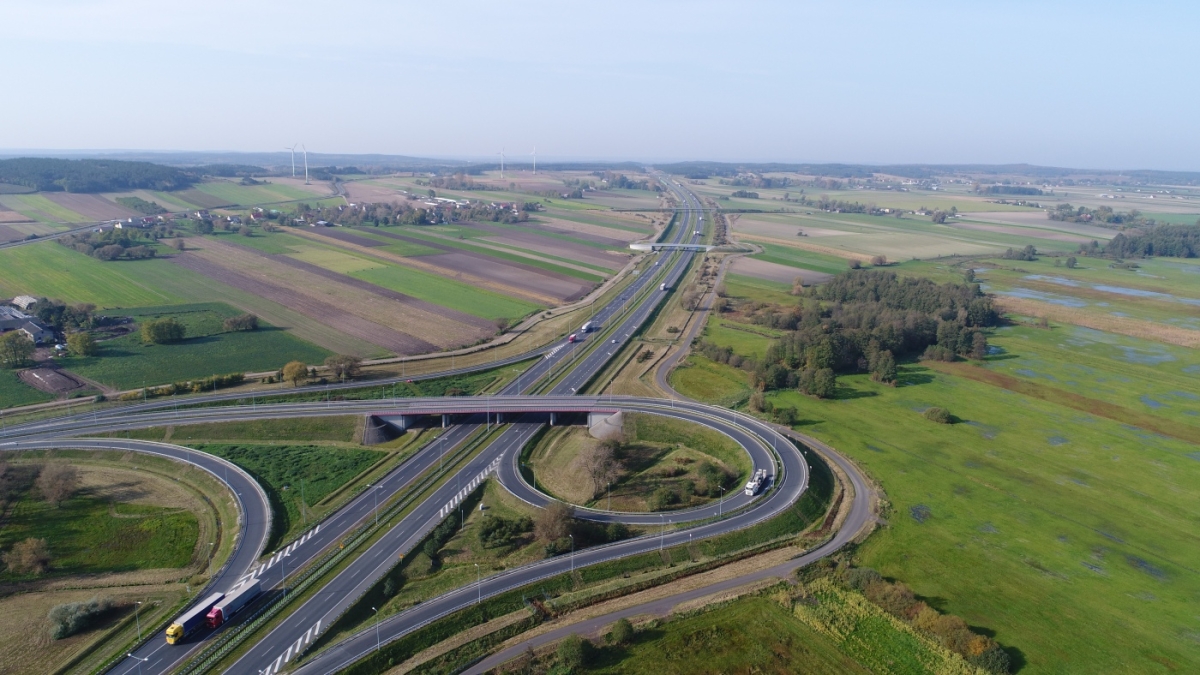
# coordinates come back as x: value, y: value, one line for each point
x: 233, y: 603
x: 588, y: 327
x: 192, y: 619
x: 662, y: 286
x: 756, y: 482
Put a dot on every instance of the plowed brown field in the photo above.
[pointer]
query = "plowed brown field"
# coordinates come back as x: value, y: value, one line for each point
x: 94, y: 207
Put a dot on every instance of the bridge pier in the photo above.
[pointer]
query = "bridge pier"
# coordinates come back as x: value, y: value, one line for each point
x: 445, y: 420
x: 551, y: 419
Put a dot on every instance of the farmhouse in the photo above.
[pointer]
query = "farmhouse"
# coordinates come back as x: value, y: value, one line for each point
x: 24, y: 301
x: 15, y: 319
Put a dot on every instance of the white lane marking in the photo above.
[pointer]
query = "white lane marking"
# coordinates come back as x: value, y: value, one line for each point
x: 287, y: 656
x: 275, y: 668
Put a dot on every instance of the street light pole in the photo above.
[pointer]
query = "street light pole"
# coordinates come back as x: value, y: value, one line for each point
x: 663, y: 532
x: 478, y: 586
x: 138, y: 619
x: 139, y: 660
x: 376, y: 628
x: 572, y: 552
x: 721, y: 504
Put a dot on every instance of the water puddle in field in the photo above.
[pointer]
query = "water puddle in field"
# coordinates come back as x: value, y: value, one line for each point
x: 1183, y: 267
x: 987, y: 431
x: 1116, y: 290
x: 1121, y: 315
x: 1151, y: 403
x: 1057, y: 440
x: 1194, y: 455
x: 1051, y: 298
x: 1192, y: 370
x: 1145, y: 357
x: 1145, y: 566
x: 1185, y: 394
x: 920, y: 513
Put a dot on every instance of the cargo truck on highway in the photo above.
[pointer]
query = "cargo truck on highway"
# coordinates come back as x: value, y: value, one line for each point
x: 192, y: 619
x: 233, y: 603
x: 588, y: 327
x: 662, y: 286
x: 756, y: 482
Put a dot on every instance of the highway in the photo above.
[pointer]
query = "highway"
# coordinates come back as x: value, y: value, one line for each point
x: 288, y: 640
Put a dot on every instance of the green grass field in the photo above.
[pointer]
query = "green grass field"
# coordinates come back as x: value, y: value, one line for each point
x: 51, y: 270
x: 446, y: 292
x: 86, y: 534
x: 739, y: 286
x: 744, y: 339
x: 267, y: 242
x: 307, y: 429
x: 40, y: 203
x: 1065, y: 532
x: 126, y: 362
x: 509, y: 257
x: 795, y: 257
x: 295, y: 474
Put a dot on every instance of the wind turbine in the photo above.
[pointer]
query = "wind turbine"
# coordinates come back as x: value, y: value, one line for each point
x: 305, y: 150
x: 293, y: 151
x: 501, y: 163
x: 534, y: 153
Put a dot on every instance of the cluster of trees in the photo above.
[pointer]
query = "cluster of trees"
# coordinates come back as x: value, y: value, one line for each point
x: 897, y: 599
x: 436, y: 540
x: 744, y: 194
x: 1006, y: 190
x: 162, y: 331
x: 458, y: 181
x: 242, y: 322
x: 1103, y: 214
x: 500, y: 532
x: 91, y: 175
x: 757, y: 181
x: 63, y: 317
x: 82, y: 343
x: 558, y: 529
x: 622, y: 182
x: 54, y: 483
x: 75, y: 617
x: 1177, y: 241
x: 863, y: 321
x: 16, y: 349
x: 1028, y: 254
x: 28, y: 556
x: 110, y: 244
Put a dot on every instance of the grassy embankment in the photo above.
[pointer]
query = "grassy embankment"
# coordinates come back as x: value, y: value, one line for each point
x: 1058, y: 520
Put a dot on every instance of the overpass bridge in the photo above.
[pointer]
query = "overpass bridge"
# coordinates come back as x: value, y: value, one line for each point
x: 469, y: 412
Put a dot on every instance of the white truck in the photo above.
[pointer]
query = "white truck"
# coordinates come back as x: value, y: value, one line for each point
x: 756, y: 482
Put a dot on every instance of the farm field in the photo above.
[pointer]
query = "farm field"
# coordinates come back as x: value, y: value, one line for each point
x: 14, y: 392
x: 250, y: 195
x: 1056, y: 512
x: 126, y: 363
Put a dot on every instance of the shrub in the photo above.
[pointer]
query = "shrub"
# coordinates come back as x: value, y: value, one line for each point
x: 498, y: 532
x: 939, y: 415
x: 162, y: 331
x: 74, y: 617
x: 30, y: 556
x: 57, y: 482
x: 81, y: 344
x: 573, y: 653
x: 241, y: 322
x: 663, y: 498
x: 622, y: 632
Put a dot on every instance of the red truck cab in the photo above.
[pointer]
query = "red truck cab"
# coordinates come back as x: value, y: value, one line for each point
x: 572, y: 338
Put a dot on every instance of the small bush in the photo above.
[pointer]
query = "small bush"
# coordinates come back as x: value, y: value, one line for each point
x: 622, y: 632
x: 75, y: 617
x: 939, y: 415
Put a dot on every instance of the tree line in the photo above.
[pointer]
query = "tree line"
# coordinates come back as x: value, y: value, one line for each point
x: 91, y: 175
x: 1175, y: 241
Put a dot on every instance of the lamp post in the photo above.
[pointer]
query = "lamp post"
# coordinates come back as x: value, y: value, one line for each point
x: 572, y: 552
x: 138, y: 619
x: 376, y: 628
x: 663, y: 532
x: 478, y: 585
x: 139, y: 660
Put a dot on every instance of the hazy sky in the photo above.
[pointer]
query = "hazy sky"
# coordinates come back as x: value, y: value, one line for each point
x: 1082, y: 84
